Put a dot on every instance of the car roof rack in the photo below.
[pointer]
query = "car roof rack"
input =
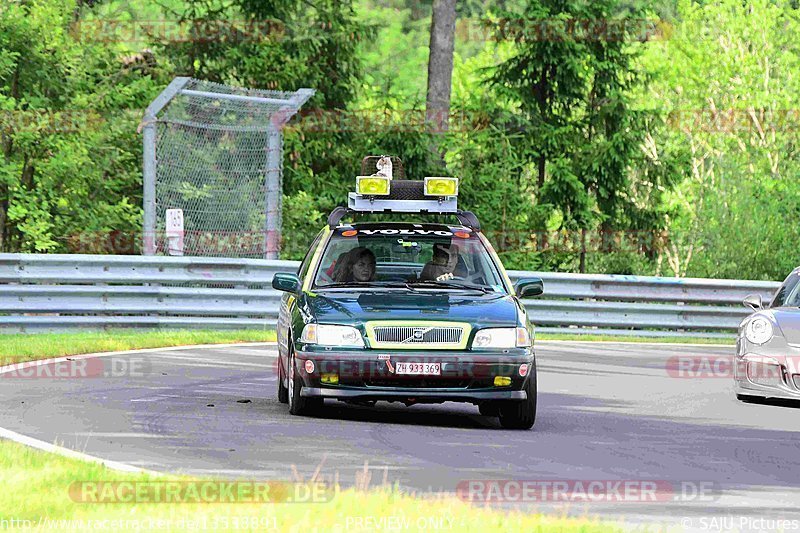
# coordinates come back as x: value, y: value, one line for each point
x: 382, y: 188
x: 466, y: 218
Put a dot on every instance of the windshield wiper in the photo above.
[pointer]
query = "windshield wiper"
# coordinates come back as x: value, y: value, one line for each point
x: 466, y: 286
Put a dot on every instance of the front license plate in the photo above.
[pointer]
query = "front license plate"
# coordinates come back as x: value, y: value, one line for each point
x: 419, y: 369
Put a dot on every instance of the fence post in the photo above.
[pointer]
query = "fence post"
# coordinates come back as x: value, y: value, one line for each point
x: 273, y: 193
x: 149, y: 176
x: 148, y: 127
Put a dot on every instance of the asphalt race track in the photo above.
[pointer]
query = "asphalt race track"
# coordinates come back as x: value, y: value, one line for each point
x: 606, y: 412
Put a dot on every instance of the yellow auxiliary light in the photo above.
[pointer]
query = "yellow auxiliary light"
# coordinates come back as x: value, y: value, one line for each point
x: 441, y: 186
x: 331, y: 379
x: 502, y: 381
x: 373, y: 185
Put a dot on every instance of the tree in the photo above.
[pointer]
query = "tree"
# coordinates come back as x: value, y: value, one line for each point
x: 571, y: 78
x: 440, y: 63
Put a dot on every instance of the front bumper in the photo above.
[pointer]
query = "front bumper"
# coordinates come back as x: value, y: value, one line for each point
x: 768, y: 371
x: 466, y: 376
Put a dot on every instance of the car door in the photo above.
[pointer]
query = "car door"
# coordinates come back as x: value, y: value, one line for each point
x: 288, y: 301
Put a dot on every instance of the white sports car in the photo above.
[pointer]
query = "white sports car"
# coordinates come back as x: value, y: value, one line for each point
x: 767, y: 363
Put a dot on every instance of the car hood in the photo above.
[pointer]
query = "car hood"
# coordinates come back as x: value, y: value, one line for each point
x: 788, y: 320
x: 480, y: 310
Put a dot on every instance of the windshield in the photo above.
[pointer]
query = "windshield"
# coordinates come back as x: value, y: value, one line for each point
x: 414, y: 257
x: 789, y: 293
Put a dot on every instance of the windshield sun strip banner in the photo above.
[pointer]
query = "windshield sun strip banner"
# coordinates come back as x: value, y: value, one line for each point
x: 408, y: 232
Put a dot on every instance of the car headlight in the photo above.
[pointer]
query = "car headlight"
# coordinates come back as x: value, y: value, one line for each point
x: 758, y: 331
x: 502, y: 338
x: 331, y: 335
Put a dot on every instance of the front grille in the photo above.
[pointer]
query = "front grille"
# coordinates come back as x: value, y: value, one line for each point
x: 418, y: 335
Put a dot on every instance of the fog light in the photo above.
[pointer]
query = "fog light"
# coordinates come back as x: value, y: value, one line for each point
x: 441, y: 186
x: 330, y: 379
x: 373, y: 185
x: 523, y: 370
x: 502, y: 381
x: 310, y: 366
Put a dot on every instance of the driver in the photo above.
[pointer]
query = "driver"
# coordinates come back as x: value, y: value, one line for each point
x: 443, y: 263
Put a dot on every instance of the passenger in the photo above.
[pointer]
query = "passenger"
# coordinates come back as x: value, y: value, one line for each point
x: 362, y: 262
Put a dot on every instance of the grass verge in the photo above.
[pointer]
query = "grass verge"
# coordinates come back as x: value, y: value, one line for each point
x: 624, y: 338
x: 38, y: 495
x: 20, y: 348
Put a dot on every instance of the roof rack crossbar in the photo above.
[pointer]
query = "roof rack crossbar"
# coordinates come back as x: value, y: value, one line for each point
x: 466, y: 218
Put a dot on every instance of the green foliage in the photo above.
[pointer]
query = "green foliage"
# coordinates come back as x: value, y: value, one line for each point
x: 67, y: 141
x: 576, y: 138
x: 727, y: 80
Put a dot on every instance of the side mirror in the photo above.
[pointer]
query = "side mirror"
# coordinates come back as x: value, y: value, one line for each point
x: 286, y: 282
x: 526, y: 287
x: 753, y: 301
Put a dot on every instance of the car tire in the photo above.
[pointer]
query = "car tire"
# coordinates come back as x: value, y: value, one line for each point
x: 283, y: 390
x: 521, y: 414
x: 750, y: 399
x: 489, y: 409
x: 299, y: 405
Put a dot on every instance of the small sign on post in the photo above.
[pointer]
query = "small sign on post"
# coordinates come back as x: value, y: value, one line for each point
x: 174, y: 231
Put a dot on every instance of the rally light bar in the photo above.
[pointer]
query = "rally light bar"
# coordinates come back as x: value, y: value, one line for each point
x: 382, y: 194
x: 379, y: 193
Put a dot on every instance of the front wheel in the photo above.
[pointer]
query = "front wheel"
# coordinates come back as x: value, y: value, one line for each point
x: 299, y: 405
x: 283, y: 391
x: 489, y: 409
x: 521, y: 414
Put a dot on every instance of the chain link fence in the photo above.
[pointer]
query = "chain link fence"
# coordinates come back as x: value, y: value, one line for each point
x: 215, y: 152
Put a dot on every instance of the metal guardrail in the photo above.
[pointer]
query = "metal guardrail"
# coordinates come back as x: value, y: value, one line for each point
x: 67, y: 292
